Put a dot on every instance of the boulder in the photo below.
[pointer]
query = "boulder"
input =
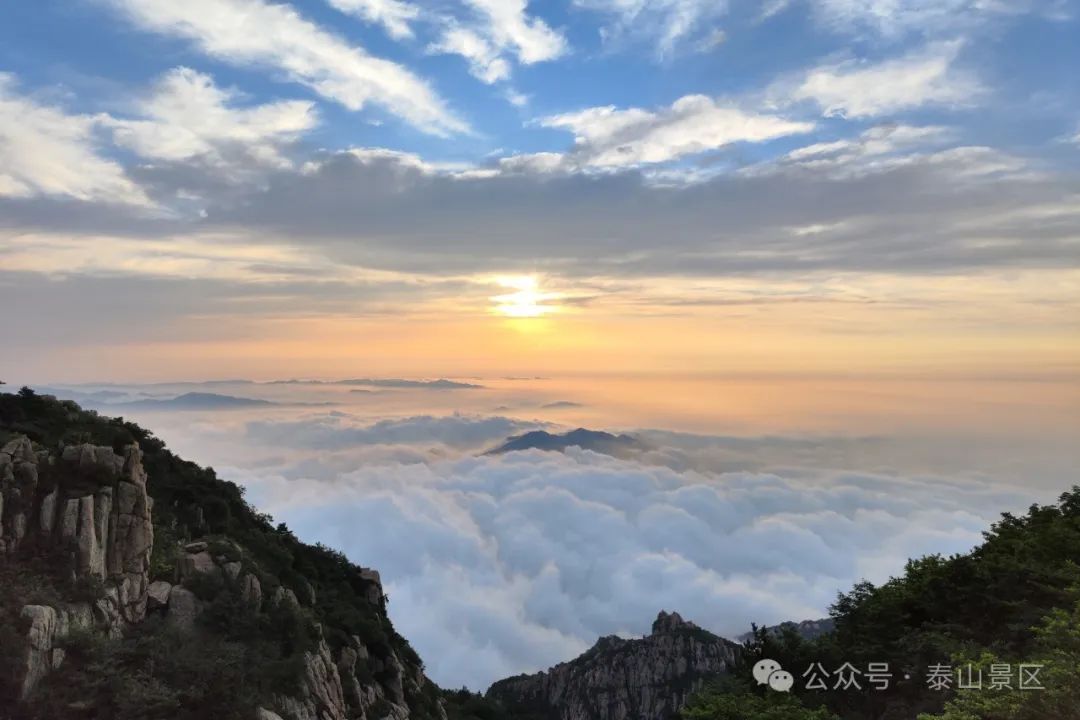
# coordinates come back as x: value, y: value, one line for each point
x: 251, y: 591
x: 284, y: 595
x: 38, y: 657
x: 374, y: 593
x: 232, y: 569
x: 183, y: 607
x: 157, y: 595
x: 200, y: 563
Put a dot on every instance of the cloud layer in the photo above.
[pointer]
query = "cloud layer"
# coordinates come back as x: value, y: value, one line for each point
x: 502, y: 565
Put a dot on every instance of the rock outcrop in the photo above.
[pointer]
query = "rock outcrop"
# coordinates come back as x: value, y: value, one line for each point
x: 81, y: 515
x: 89, y: 508
x: 619, y: 679
x: 89, y: 503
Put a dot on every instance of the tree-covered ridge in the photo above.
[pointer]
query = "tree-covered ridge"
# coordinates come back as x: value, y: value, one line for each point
x: 251, y: 653
x: 1012, y: 600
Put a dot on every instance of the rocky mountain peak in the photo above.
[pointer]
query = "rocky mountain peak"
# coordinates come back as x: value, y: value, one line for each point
x: 621, y: 679
x: 666, y: 623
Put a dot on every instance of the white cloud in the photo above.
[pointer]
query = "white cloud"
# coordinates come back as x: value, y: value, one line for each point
x: 253, y: 32
x: 896, y: 18
x: 875, y: 142
x: 857, y: 89
x: 502, y: 565
x: 609, y: 137
x: 498, y: 31
x: 888, y: 147
x: 517, y: 99
x: 485, y: 59
x: 46, y: 151
x: 395, y: 16
x: 187, y: 117
x: 666, y: 23
x: 892, y: 17
x: 541, y: 162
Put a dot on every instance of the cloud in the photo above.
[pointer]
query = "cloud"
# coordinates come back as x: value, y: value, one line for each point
x: 909, y: 215
x: 665, y: 23
x: 335, y: 432
x: 46, y: 151
x: 891, y: 146
x: 253, y: 32
x: 188, y: 117
x: 502, y: 565
x: 924, y: 77
x: 497, y: 31
x: 609, y: 137
x: 395, y: 16
x: 894, y: 19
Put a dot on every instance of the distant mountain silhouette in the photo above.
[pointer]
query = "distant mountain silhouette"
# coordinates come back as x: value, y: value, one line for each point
x: 595, y: 440
x: 195, y: 401
x: 442, y: 383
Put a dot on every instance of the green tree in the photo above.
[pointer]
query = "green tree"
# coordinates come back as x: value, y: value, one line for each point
x: 1057, y: 651
x: 735, y: 701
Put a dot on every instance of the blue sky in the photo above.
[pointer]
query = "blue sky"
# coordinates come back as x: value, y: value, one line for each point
x: 1008, y: 79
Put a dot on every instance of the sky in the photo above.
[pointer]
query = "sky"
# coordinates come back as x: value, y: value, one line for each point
x: 238, y: 187
x: 823, y: 256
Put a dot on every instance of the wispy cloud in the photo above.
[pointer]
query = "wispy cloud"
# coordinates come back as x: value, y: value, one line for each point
x: 187, y: 116
x: 496, y: 33
x: 47, y: 151
x: 859, y: 89
x: 666, y: 24
x: 394, y: 15
x: 253, y: 32
x: 610, y: 137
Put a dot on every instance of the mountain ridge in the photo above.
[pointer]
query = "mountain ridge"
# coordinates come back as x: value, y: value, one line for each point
x: 623, y: 679
x: 595, y: 440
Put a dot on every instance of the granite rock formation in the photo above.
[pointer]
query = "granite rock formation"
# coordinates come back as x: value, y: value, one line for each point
x: 619, y: 679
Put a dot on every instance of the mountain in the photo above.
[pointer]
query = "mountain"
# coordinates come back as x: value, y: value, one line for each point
x: 194, y: 401
x: 618, y: 679
x: 597, y: 441
x: 807, y: 629
x: 441, y: 384
x: 136, y: 585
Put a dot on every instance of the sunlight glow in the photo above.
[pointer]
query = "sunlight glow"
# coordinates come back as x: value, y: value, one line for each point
x: 527, y: 302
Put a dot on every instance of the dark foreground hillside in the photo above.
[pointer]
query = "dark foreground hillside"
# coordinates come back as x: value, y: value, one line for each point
x: 134, y: 584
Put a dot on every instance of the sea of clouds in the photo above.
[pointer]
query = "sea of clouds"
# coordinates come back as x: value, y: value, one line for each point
x: 501, y: 564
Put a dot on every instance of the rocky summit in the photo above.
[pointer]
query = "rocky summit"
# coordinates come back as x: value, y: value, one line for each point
x: 624, y: 679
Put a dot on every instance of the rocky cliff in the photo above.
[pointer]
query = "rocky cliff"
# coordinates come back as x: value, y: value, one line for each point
x: 88, y: 508
x: 620, y: 679
x: 133, y: 584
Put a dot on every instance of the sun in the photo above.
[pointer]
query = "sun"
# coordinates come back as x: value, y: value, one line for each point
x: 527, y: 300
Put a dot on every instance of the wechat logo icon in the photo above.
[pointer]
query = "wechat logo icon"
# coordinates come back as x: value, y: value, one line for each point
x: 769, y: 672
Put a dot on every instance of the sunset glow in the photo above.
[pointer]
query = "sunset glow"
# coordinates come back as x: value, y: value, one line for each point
x: 527, y: 300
